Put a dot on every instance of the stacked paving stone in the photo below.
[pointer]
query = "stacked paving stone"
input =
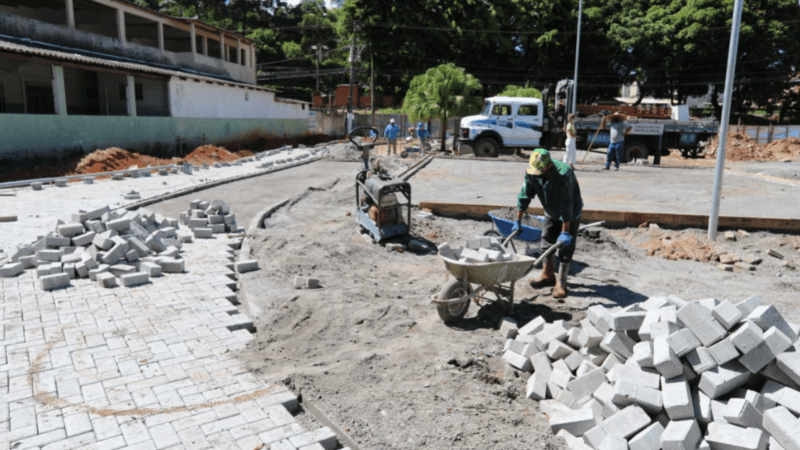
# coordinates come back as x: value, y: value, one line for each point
x: 666, y: 374
x: 481, y: 249
x: 209, y: 218
x: 111, y: 247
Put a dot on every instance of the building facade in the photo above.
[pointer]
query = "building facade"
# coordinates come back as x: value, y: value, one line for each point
x: 87, y: 74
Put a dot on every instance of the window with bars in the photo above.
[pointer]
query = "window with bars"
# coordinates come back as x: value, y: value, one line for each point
x: 39, y: 99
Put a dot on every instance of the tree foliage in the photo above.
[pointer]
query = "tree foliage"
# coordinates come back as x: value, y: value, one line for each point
x: 521, y: 91
x: 671, y: 48
x: 440, y: 93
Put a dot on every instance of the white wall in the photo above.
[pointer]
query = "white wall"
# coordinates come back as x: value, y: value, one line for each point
x: 192, y: 99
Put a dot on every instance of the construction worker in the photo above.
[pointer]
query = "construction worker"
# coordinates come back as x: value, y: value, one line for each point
x: 423, y: 135
x: 390, y: 133
x: 618, y: 128
x: 555, y: 184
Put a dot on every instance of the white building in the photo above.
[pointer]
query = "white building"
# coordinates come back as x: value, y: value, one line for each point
x: 86, y: 74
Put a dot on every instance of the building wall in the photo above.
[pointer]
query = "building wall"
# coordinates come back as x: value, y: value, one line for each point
x: 14, y: 25
x: 192, y: 99
x: 14, y: 75
x: 35, y: 135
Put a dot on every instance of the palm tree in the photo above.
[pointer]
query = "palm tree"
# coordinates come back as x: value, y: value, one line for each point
x: 440, y: 93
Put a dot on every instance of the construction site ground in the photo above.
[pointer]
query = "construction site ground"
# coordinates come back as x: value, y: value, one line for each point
x: 367, y: 348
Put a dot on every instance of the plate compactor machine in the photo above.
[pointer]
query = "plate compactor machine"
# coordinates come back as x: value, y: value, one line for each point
x: 381, y: 200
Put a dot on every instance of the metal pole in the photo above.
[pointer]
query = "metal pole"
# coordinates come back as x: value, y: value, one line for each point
x: 724, y: 120
x: 319, y: 55
x: 352, y: 79
x: 372, y: 85
x: 577, y: 52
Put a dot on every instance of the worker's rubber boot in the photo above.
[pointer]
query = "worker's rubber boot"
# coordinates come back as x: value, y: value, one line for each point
x: 560, y: 291
x: 548, y: 275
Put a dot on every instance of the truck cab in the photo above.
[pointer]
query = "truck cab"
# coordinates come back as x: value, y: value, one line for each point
x: 505, y: 123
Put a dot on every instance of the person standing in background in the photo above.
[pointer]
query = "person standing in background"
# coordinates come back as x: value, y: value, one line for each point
x: 570, y: 156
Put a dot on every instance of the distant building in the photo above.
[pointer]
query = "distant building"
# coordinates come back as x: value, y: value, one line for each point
x: 86, y: 74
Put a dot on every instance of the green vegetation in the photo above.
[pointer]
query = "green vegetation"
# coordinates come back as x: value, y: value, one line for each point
x: 442, y: 92
x: 672, y: 48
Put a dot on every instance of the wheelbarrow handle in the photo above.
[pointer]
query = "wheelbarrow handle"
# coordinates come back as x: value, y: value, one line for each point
x: 549, y: 252
x: 516, y: 232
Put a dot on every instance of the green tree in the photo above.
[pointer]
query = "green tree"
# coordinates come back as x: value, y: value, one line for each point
x: 521, y: 91
x: 440, y: 93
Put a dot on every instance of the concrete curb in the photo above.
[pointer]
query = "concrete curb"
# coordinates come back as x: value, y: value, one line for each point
x: 200, y: 187
x: 412, y: 170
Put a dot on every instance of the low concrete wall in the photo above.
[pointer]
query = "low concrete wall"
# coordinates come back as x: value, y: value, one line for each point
x: 33, y: 135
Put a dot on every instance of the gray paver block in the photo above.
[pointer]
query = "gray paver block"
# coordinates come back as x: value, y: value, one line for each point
x: 789, y: 363
x: 783, y: 426
x: 576, y: 422
x: 766, y: 316
x: 518, y: 361
x: 55, y: 281
x: 743, y: 413
x: 626, y: 423
x: 677, y: 398
x: 36, y: 186
x: 647, y: 439
x: 536, y: 387
x: 723, y: 351
x: 729, y: 437
x: 116, y: 253
x: 585, y: 385
x: 618, y: 343
x: 84, y: 239
x: 682, y: 342
x: 324, y: 436
x: 151, y: 269
x: 723, y: 379
x: 632, y: 374
x: 648, y: 398
x: 70, y: 229
x: 782, y: 395
x: 747, y: 305
x: 106, y: 280
x: 203, y: 233
x: 727, y: 314
x: 50, y: 255
x: 11, y: 270
x: 171, y: 265
x: 118, y: 224
x: 757, y: 358
x: 747, y: 337
x: 134, y: 279
x: 777, y: 341
x: 701, y: 360
x: 680, y: 435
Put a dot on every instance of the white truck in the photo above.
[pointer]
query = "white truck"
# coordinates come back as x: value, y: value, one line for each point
x: 508, y: 123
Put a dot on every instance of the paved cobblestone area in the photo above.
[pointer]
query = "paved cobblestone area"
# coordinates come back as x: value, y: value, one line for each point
x: 37, y: 211
x: 148, y: 367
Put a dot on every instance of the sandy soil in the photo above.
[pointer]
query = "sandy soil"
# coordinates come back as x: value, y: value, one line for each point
x: 369, y: 350
x: 114, y: 158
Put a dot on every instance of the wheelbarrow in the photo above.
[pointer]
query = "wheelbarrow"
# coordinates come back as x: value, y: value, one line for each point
x: 453, y: 300
x: 503, y: 227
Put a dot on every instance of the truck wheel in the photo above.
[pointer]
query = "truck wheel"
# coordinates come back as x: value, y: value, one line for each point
x: 635, y: 151
x: 487, y: 148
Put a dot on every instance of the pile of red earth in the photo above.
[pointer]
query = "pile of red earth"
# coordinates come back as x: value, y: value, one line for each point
x: 741, y: 148
x: 115, y: 158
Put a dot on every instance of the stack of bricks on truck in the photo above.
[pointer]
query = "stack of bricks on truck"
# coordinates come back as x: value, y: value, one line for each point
x: 665, y: 374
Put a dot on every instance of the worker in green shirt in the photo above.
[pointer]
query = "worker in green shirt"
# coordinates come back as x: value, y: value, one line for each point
x: 555, y: 184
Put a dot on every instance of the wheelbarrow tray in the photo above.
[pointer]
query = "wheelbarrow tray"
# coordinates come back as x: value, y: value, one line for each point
x: 490, y: 273
x: 527, y: 233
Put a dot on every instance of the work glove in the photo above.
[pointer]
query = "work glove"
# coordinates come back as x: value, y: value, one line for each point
x: 516, y: 226
x: 565, y: 238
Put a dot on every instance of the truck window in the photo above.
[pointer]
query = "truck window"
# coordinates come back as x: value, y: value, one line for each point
x: 528, y: 110
x: 501, y: 110
x: 487, y: 108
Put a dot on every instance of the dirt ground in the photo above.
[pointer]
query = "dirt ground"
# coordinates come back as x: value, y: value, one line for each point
x: 369, y: 350
x: 114, y: 158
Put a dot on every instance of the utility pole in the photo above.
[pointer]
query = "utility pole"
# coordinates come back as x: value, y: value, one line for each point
x: 573, y: 107
x: 371, y: 84
x: 352, y: 81
x: 713, y: 219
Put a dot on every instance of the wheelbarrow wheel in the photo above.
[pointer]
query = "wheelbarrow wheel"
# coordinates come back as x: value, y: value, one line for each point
x: 453, y: 312
x: 492, y: 233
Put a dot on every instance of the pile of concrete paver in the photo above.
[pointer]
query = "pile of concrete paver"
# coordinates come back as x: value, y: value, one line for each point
x: 119, y: 247
x: 665, y: 374
x: 478, y: 250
